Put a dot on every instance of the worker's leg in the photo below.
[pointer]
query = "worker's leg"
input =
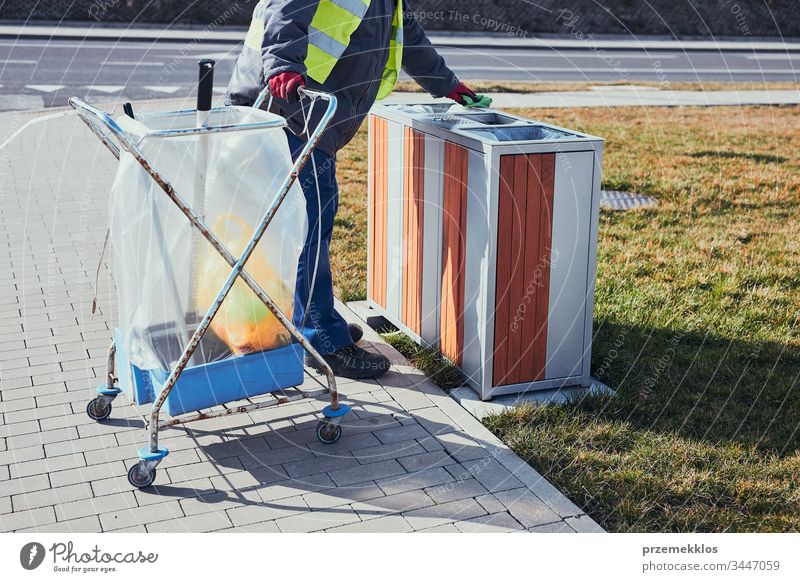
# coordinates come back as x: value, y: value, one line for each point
x: 324, y: 327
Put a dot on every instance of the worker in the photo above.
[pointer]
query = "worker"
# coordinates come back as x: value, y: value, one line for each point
x: 353, y: 49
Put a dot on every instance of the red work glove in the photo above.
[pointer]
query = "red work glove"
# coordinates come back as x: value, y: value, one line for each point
x: 458, y: 93
x: 285, y: 85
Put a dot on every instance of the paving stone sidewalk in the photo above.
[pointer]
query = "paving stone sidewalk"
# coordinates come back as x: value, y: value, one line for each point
x: 410, y: 458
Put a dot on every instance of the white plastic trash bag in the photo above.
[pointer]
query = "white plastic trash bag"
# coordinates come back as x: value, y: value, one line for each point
x: 167, y: 275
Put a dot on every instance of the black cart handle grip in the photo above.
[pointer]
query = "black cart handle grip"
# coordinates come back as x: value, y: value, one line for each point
x: 205, y: 84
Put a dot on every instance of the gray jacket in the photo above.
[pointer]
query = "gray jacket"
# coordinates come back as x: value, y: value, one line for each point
x: 357, y: 75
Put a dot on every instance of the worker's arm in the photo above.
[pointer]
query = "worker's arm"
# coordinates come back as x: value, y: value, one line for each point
x: 285, y: 42
x: 420, y: 59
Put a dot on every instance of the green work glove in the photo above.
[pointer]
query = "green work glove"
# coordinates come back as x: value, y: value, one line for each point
x: 479, y: 101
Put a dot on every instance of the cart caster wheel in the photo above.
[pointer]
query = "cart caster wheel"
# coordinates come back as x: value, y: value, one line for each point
x: 98, y: 409
x: 140, y: 477
x: 328, y: 433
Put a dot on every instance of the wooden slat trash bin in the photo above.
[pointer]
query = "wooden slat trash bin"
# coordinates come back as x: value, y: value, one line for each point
x: 483, y: 241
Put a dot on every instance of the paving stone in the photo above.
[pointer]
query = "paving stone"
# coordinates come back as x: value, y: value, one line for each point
x: 494, y: 523
x: 261, y: 527
x: 19, y: 428
x: 217, y: 501
x: 87, y: 474
x: 269, y: 511
x: 293, y: 487
x: 447, y: 528
x: 425, y: 461
x: 288, y: 438
x: 95, y: 506
x: 252, y: 478
x: 345, y: 444
x: 9, y: 487
x: 490, y: 503
x: 318, y: 520
x: 194, y: 471
x: 386, y: 524
x: 318, y: 465
x: 401, y: 433
x: 275, y: 457
x: 336, y: 496
x: 47, y: 465
x: 141, y: 515
x: 161, y: 492
x: 23, y: 519
x: 42, y: 438
x: 203, y: 522
x: 460, y: 510
x: 526, y: 508
x: 25, y: 404
x: 461, y: 447
x: 361, y: 473
x: 388, y: 451
x: 418, y: 480
x: 455, y: 490
x: 20, y: 455
x: 76, y: 445
x: 48, y: 497
x: 488, y: 472
x: 435, y: 421
x: 583, y: 524
x: 84, y: 525
x: 558, y: 527
x: 392, y: 504
x: 5, y: 505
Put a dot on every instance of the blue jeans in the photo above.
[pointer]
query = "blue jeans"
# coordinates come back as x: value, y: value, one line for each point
x: 324, y: 327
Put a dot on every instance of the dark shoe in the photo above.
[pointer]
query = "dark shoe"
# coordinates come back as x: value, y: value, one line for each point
x: 354, y: 363
x: 355, y: 332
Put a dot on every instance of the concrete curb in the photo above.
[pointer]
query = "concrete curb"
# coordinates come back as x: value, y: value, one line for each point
x: 501, y: 453
x: 90, y: 31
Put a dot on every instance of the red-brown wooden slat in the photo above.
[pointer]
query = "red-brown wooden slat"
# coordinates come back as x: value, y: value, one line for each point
x: 371, y: 211
x: 503, y: 274
x: 406, y: 243
x: 453, y: 243
x: 446, y: 255
x: 533, y: 269
x: 419, y: 198
x: 517, y: 284
x: 545, y: 243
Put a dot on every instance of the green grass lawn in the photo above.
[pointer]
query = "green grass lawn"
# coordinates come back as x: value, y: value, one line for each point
x: 696, y: 324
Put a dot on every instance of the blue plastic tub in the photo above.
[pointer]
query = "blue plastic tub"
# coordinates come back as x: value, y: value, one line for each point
x: 215, y: 383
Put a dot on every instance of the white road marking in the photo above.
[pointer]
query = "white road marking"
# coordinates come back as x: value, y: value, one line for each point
x: 132, y: 64
x: 106, y: 88
x: 169, y: 89
x: 775, y: 57
x: 45, y: 88
x: 752, y: 71
x: 18, y: 62
x: 228, y: 56
x: 553, y: 54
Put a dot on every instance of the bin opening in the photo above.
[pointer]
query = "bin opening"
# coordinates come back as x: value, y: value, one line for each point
x: 489, y: 118
x: 423, y: 109
x: 520, y: 133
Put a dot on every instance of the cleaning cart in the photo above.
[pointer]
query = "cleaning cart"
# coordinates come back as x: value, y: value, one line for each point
x: 177, y: 238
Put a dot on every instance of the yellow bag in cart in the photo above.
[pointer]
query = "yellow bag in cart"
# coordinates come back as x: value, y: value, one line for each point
x: 244, y: 323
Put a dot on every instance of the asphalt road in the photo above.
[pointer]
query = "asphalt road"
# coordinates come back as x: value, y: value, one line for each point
x: 39, y: 73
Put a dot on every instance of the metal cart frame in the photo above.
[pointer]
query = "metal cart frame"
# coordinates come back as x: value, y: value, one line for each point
x: 142, y: 474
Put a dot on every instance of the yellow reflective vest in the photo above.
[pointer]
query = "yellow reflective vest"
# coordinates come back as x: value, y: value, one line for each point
x: 329, y: 34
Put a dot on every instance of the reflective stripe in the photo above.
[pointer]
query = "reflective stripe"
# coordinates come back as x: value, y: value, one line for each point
x: 255, y: 35
x: 398, y: 35
x: 325, y: 43
x: 355, y: 7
